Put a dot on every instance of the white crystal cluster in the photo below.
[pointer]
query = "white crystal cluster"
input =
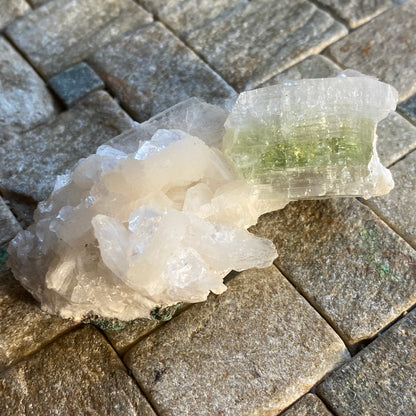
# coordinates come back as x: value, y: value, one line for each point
x: 143, y: 224
x: 159, y: 214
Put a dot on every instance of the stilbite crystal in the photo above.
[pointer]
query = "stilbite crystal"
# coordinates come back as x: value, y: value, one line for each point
x: 144, y: 224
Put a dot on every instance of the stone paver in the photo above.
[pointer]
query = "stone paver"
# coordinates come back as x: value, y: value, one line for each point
x: 75, y: 83
x: 396, y: 138
x: 21, y: 207
x: 398, y: 207
x: 316, y: 66
x: 125, y: 338
x: 353, y: 268
x: 9, y: 226
x: 249, y: 351
x: 357, y: 12
x: 308, y: 405
x: 408, y: 108
x: 142, y: 67
x: 248, y: 42
x: 24, y: 327
x: 381, y: 379
x: 385, y: 47
x: 10, y: 9
x: 24, y: 98
x: 38, y: 3
x: 31, y: 161
x: 78, y: 374
x: 76, y: 28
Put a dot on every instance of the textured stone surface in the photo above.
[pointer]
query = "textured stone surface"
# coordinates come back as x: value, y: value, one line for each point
x: 24, y: 327
x: 31, y: 161
x: 381, y: 379
x: 389, y: 53
x: 308, y: 405
x: 21, y: 207
x: 316, y: 66
x: 357, y: 12
x: 348, y: 263
x: 396, y: 138
x: 75, y: 83
x: 10, y: 9
x: 9, y: 226
x: 125, y: 338
x: 408, y: 108
x: 78, y: 374
x: 142, y: 67
x: 248, y: 42
x: 24, y: 99
x: 38, y: 3
x: 398, y: 207
x: 249, y: 351
x: 76, y: 28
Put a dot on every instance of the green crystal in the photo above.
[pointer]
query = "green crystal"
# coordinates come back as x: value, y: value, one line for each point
x: 310, y: 138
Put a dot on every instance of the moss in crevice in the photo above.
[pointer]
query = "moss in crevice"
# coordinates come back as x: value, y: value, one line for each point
x: 114, y: 324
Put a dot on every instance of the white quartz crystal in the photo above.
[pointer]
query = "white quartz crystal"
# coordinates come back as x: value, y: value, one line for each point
x: 159, y: 215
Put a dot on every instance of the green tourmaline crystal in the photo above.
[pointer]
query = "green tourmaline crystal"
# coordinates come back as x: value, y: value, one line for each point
x: 310, y: 138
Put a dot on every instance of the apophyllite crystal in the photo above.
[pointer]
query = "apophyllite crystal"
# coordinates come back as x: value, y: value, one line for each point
x: 159, y: 214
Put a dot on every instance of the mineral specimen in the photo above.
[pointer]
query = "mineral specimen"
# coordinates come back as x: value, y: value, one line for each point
x: 159, y: 214
x: 316, y: 140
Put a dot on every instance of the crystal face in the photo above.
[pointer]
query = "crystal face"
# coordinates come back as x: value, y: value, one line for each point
x: 159, y: 215
x: 311, y: 138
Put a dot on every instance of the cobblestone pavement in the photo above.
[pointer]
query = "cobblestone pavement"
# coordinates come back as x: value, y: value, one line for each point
x: 329, y: 329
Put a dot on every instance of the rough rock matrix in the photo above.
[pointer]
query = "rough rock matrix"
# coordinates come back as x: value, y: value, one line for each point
x: 159, y: 214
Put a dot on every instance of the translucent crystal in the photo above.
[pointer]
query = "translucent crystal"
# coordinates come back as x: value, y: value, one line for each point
x: 311, y: 138
x: 159, y: 214
x: 125, y: 233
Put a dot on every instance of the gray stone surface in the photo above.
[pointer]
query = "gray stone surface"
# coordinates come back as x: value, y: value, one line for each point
x: 385, y: 48
x: 31, y: 161
x: 408, y: 108
x: 381, y: 379
x: 24, y: 327
x: 24, y: 99
x: 249, y: 351
x: 75, y: 83
x: 10, y: 9
x: 141, y: 68
x: 78, y: 374
x: 398, y: 207
x: 21, y: 207
x: 76, y: 28
x: 357, y: 12
x: 125, y: 338
x: 352, y: 268
x: 9, y: 226
x: 248, y: 42
x: 396, y: 138
x: 38, y: 3
x: 316, y: 66
x: 308, y: 405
